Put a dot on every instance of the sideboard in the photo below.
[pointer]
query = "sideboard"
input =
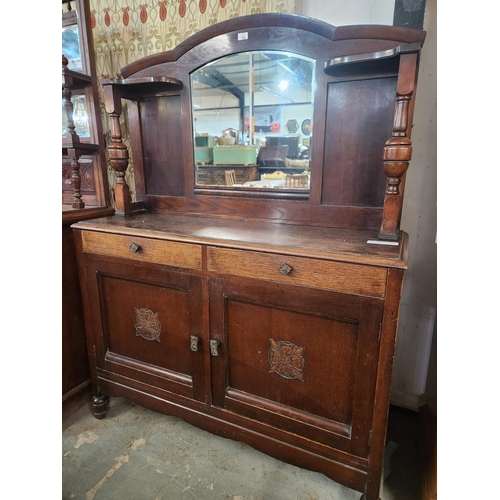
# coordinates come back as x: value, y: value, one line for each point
x: 263, y: 313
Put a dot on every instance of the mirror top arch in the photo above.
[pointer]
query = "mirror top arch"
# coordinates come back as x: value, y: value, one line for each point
x: 273, y: 20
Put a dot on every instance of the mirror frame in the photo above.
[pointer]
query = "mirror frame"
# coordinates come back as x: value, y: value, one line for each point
x: 352, y: 186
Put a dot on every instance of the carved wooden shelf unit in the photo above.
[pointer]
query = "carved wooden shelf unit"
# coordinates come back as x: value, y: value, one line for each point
x: 84, y: 178
x: 259, y: 314
x: 84, y: 190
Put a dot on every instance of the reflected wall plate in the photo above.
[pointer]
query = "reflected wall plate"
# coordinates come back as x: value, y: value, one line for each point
x: 306, y: 127
x: 292, y: 126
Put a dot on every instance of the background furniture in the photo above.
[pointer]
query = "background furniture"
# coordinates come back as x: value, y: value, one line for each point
x: 268, y: 316
x: 230, y: 177
x: 296, y: 180
x: 80, y: 86
x: 84, y: 189
x: 213, y: 175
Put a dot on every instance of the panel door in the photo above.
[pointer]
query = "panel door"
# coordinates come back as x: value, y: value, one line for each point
x: 300, y: 359
x: 146, y: 324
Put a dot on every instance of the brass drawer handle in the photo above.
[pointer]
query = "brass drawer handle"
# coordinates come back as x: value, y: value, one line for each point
x: 214, y: 347
x: 134, y: 248
x: 194, y: 343
x: 285, y: 269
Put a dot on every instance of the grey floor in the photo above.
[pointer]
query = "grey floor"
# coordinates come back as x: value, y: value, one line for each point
x: 137, y: 454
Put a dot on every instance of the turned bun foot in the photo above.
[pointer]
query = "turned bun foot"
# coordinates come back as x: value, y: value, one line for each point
x: 99, y: 406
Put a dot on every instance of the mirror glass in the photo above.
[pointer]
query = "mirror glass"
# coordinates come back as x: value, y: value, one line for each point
x: 80, y: 117
x: 252, y: 121
x: 71, y: 47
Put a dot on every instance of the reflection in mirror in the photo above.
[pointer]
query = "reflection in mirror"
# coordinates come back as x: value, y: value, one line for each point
x: 247, y: 110
x: 80, y: 117
x: 71, y: 47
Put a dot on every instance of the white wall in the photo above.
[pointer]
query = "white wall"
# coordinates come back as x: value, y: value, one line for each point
x: 418, y: 310
x: 345, y: 12
x: 418, y: 306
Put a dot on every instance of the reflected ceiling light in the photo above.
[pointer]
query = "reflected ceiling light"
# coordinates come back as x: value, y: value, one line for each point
x: 283, y: 85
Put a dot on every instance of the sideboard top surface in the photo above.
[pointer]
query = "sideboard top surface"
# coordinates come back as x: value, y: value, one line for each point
x: 318, y: 242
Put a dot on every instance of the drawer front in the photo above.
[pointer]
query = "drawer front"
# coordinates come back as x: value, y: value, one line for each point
x: 337, y: 276
x: 148, y: 250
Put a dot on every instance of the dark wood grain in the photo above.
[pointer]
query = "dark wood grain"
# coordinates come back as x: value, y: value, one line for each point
x: 85, y: 83
x: 359, y: 121
x: 398, y: 149
x: 337, y: 244
x: 347, y: 175
x: 337, y: 338
x: 75, y: 363
x: 165, y: 360
x: 162, y: 156
x: 383, y: 382
x: 76, y: 388
x: 348, y: 278
x: 427, y: 435
x: 315, y: 26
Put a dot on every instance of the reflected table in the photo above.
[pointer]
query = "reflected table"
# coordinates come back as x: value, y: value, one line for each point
x: 272, y: 183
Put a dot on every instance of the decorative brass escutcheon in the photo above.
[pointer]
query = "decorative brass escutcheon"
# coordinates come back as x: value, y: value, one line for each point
x: 285, y: 269
x: 194, y: 343
x: 134, y: 248
x: 214, y: 347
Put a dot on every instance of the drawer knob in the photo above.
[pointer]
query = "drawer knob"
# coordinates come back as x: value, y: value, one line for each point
x: 134, y: 248
x: 194, y: 343
x: 285, y: 269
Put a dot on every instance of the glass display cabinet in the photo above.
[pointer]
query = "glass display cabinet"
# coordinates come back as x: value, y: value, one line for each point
x: 84, y: 176
x: 253, y: 288
x: 84, y: 188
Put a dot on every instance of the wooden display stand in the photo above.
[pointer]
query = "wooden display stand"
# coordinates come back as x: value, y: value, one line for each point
x: 84, y: 196
x: 267, y: 317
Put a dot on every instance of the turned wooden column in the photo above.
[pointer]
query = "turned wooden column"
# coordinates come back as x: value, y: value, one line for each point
x: 398, y: 149
x: 117, y: 151
x: 72, y: 137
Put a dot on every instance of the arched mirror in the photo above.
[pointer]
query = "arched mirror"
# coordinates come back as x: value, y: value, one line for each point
x: 248, y: 111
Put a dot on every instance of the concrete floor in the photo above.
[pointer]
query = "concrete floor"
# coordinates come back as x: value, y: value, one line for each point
x: 137, y: 454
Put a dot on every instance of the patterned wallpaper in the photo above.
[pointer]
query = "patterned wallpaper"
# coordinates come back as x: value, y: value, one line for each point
x: 126, y: 30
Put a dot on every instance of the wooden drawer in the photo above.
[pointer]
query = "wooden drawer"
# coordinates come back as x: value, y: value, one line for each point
x: 338, y: 276
x: 170, y: 253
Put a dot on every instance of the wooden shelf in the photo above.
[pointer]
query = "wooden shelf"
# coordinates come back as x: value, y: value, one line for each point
x: 85, y: 147
x: 133, y: 88
x: 386, y: 61
x: 76, y: 79
x: 72, y: 215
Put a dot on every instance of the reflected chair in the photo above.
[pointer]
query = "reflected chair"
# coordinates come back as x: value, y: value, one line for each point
x: 298, y: 180
x: 230, y: 177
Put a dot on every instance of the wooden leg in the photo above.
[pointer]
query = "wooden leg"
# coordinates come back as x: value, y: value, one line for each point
x: 99, y: 405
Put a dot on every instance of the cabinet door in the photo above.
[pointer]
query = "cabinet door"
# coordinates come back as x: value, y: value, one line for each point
x: 299, y: 359
x: 146, y: 324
